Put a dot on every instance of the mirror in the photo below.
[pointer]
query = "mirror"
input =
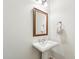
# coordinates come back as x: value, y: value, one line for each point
x: 40, y: 22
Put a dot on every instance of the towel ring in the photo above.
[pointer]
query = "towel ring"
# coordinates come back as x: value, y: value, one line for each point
x: 59, y: 29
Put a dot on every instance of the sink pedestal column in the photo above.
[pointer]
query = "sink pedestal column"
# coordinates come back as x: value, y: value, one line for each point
x: 44, y: 55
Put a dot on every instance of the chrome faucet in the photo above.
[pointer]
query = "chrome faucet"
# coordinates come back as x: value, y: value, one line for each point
x: 42, y: 41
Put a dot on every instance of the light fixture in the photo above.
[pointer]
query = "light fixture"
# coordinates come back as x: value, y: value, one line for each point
x: 42, y: 2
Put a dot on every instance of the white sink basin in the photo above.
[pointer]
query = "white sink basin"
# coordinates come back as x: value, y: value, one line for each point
x: 46, y: 46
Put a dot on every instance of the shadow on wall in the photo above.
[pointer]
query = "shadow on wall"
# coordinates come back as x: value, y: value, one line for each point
x: 57, y: 56
x: 63, y: 37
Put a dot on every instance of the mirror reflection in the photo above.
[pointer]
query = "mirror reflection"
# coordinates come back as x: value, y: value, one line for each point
x: 40, y: 23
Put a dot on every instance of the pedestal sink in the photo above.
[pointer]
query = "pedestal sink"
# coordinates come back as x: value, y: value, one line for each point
x: 44, y: 46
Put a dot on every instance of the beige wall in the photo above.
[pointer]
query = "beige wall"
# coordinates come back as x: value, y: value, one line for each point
x: 62, y: 10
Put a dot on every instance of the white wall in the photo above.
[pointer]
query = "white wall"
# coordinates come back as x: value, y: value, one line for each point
x: 62, y: 10
x: 18, y: 30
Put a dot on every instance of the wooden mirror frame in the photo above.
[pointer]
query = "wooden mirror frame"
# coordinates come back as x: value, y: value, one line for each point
x: 34, y: 22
